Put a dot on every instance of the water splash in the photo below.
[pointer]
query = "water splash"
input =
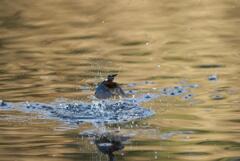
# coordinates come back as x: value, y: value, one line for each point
x: 100, y: 111
x: 78, y: 112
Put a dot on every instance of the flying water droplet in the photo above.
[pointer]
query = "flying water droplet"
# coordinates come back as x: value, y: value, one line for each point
x: 213, y: 77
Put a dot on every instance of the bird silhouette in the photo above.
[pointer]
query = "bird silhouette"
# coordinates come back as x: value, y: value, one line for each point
x: 109, y: 89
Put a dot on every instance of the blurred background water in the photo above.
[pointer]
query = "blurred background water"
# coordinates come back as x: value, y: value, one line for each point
x: 61, y: 49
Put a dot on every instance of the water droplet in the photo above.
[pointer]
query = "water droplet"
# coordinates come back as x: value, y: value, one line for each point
x: 212, y: 77
x: 217, y: 97
x: 148, y: 96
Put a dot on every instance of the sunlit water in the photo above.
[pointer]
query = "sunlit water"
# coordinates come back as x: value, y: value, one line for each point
x: 55, y: 52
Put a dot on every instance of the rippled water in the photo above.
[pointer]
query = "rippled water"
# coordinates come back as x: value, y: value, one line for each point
x: 59, y: 49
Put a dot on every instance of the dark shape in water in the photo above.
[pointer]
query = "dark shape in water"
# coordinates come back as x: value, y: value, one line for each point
x: 108, y: 143
x: 108, y: 89
x: 2, y: 103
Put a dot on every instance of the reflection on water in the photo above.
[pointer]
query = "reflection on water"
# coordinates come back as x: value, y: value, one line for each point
x: 62, y: 49
x: 107, y: 142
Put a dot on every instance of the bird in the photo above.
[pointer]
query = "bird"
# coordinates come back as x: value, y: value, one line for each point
x: 109, y: 89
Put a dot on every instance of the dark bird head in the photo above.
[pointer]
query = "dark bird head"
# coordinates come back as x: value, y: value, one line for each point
x: 111, y: 77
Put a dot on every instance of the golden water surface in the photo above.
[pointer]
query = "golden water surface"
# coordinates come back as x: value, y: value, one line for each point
x: 53, y: 49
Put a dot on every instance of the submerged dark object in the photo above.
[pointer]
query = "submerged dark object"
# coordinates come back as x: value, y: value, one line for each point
x: 108, y: 88
x: 2, y: 103
x: 108, y: 144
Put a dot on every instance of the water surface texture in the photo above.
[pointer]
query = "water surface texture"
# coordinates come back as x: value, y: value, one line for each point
x: 59, y: 50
